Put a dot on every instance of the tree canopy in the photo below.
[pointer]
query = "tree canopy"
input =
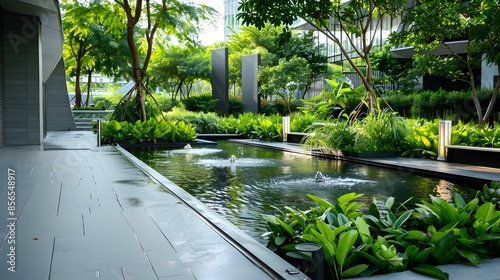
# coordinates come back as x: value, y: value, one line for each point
x: 434, y: 25
x: 356, y: 19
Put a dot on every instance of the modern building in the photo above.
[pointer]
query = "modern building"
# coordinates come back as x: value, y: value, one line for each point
x: 33, y: 93
x: 231, y: 23
x: 488, y: 73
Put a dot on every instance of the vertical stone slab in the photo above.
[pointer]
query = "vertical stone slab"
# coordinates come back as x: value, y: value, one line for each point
x: 249, y: 82
x: 220, y: 80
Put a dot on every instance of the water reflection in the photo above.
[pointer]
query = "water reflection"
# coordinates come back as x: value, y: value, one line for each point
x: 259, y: 178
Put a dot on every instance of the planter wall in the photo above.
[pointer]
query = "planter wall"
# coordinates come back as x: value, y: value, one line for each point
x: 474, y: 155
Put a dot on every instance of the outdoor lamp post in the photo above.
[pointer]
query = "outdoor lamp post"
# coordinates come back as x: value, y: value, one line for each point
x: 444, y: 139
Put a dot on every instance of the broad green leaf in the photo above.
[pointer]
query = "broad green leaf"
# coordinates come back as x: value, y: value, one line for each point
x: 364, y: 230
x: 486, y: 212
x: 469, y: 255
x: 348, y: 197
x: 431, y: 270
x: 389, y: 203
x: 321, y: 202
x: 286, y: 227
x: 354, y: 271
x: 346, y: 242
x: 422, y: 256
x: 399, y: 222
x: 279, y: 240
x: 459, y: 201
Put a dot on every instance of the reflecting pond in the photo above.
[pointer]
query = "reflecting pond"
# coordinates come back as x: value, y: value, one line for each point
x: 243, y: 189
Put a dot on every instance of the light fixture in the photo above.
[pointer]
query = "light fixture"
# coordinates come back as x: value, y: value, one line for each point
x: 286, y: 128
x: 444, y: 139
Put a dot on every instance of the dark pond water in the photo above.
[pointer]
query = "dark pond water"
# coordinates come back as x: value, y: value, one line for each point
x: 243, y: 190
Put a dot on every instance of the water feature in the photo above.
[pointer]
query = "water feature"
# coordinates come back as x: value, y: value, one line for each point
x: 241, y: 182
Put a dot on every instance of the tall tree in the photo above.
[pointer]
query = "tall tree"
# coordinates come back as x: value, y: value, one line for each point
x: 287, y: 79
x: 434, y: 24
x: 87, y: 44
x: 358, y: 19
x: 144, y: 19
x: 251, y: 40
x: 177, y: 68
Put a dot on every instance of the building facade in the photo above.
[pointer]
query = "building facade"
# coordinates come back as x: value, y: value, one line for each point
x: 33, y: 93
x: 231, y: 23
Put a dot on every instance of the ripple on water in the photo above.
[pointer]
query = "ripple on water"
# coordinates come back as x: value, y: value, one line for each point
x: 328, y: 182
x: 240, y: 162
x: 198, y: 151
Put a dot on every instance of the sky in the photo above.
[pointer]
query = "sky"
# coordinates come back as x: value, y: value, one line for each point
x: 214, y: 34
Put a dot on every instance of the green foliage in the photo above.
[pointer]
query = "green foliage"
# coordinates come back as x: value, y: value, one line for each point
x: 200, y: 103
x: 332, y: 101
x: 383, y: 239
x: 268, y: 128
x: 335, y: 135
x: 380, y: 132
x: 288, y: 79
x: 491, y: 194
x: 434, y: 23
x: 397, y: 71
x: 130, y: 111
x: 278, y: 107
x: 450, y: 105
x: 422, y: 140
x: 205, y: 123
x: 302, y: 122
x: 236, y: 106
x: 148, y: 131
x: 176, y: 68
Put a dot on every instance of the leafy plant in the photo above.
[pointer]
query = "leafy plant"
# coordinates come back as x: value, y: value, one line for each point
x: 149, y: 131
x: 422, y: 141
x: 380, y: 132
x: 491, y: 194
x: 268, y: 128
x: 302, y: 122
x: 385, y: 238
x: 332, y: 100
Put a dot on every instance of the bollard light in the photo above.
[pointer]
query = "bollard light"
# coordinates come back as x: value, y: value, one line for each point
x: 317, y: 258
x: 286, y: 128
x: 98, y: 133
x: 444, y: 139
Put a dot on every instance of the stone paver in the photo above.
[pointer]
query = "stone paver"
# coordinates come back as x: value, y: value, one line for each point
x: 87, y: 212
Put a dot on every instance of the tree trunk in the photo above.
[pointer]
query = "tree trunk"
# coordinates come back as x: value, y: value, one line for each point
x: 89, y: 81
x: 493, y: 99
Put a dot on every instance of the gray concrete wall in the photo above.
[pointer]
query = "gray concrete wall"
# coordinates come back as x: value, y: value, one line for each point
x: 21, y: 80
x: 58, y: 110
x: 220, y: 80
x: 249, y: 83
x: 2, y: 132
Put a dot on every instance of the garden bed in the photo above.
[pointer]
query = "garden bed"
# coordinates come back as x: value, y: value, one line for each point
x: 482, y: 156
x: 163, y: 144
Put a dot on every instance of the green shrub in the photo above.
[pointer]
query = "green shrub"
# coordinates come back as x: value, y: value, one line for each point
x: 236, y: 106
x: 200, y: 103
x: 335, y: 135
x: 205, y: 123
x: 302, y: 122
x: 131, y: 111
x: 359, y: 240
x: 380, y: 132
x: 278, y: 107
x: 148, y: 131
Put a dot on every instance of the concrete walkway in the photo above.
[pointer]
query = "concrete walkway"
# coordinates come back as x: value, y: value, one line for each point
x: 87, y: 212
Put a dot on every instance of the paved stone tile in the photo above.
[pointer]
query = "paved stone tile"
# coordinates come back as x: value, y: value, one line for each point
x: 90, y: 213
